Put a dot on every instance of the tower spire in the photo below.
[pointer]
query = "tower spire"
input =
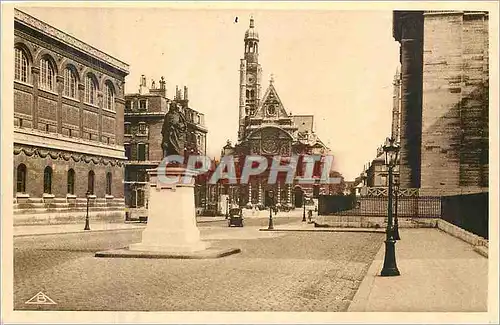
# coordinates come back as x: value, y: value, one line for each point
x: 271, y: 80
x: 252, y: 23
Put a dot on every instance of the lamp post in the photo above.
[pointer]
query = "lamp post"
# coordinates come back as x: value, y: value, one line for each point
x: 303, y: 207
x: 390, y: 268
x: 396, y: 194
x: 227, y: 207
x: 271, y: 200
x: 87, y: 225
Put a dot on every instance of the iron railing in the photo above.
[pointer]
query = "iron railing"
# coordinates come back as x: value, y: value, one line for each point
x: 407, y: 206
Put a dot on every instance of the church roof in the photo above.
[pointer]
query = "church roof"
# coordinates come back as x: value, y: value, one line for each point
x: 271, y: 97
x: 251, y: 32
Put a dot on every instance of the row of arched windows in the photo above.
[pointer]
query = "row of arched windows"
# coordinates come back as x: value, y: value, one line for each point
x: 47, y: 78
x: 47, y: 180
x: 251, y: 47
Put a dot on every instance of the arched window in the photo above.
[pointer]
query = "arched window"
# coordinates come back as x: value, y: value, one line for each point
x: 90, y: 90
x: 109, y: 97
x: 71, y: 181
x: 21, y: 178
x: 47, y: 180
x: 47, y: 76
x: 108, y: 183
x: 90, y: 187
x: 21, y: 65
x: 70, y: 83
x: 248, y: 94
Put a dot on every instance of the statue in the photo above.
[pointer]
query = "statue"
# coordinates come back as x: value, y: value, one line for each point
x: 174, y: 131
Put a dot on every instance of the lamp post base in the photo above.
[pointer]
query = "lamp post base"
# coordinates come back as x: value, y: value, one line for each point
x: 271, y: 225
x: 87, y: 226
x: 396, y: 233
x: 390, y: 268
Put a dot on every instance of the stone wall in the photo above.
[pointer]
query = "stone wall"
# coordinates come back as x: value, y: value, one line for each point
x: 408, y: 31
x: 455, y: 102
x: 62, y: 211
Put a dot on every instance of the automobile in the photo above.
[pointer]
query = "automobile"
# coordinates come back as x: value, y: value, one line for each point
x: 235, y: 217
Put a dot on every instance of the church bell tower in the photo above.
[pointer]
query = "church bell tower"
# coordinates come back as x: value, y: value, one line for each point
x: 250, y: 78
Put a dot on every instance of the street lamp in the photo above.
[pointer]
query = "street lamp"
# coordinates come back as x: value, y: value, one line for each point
x: 227, y: 207
x: 303, y: 207
x: 271, y: 200
x: 87, y: 225
x: 396, y: 194
x: 390, y: 268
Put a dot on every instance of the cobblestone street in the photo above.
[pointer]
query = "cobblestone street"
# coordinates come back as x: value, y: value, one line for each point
x: 274, y: 272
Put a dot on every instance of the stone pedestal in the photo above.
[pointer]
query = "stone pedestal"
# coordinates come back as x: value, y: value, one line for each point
x: 171, y: 226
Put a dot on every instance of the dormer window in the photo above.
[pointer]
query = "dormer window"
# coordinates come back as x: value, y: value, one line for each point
x: 143, y: 104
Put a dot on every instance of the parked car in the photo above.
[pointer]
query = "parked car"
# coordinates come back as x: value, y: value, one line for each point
x: 235, y: 217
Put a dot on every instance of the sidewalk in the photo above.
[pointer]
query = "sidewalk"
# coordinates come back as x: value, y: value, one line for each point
x: 439, y: 273
x: 306, y: 226
x: 30, y: 230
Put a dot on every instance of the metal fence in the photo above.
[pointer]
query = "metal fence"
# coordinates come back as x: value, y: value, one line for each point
x: 414, y: 207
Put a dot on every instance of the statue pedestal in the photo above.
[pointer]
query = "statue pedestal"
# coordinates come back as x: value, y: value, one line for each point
x: 171, y: 223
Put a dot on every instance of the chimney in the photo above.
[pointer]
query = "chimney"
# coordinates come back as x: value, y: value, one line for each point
x: 177, y: 93
x: 185, y: 93
x: 142, y: 85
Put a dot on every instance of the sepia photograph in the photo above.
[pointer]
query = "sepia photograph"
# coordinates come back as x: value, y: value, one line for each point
x: 249, y: 162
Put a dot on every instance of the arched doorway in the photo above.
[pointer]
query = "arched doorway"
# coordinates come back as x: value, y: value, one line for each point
x: 299, y: 197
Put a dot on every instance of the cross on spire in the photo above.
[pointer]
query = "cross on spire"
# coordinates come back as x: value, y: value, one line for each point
x: 271, y: 80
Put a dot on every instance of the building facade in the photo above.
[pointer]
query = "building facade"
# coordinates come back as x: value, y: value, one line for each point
x: 444, y: 100
x: 68, y: 134
x: 267, y: 129
x: 144, y: 115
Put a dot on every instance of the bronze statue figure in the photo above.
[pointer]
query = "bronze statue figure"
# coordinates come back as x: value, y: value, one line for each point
x: 174, y: 132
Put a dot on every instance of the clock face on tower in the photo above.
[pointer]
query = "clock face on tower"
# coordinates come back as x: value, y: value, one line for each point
x: 251, y: 79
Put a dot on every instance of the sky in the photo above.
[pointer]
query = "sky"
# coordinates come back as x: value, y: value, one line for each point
x: 336, y: 65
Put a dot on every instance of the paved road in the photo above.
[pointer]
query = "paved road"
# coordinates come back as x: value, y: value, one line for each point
x: 274, y: 272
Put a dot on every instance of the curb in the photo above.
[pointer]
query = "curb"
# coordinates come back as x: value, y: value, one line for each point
x: 481, y: 250
x: 480, y: 244
x: 76, y: 232
x: 209, y: 253
x: 361, y: 230
x: 360, y: 299
x: 206, y: 221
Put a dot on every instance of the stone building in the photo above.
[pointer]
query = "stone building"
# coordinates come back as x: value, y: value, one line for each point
x: 68, y: 134
x: 267, y: 129
x: 377, y: 173
x: 144, y: 114
x: 444, y: 100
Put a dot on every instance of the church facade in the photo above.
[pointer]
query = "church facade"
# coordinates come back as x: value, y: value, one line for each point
x: 267, y: 129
